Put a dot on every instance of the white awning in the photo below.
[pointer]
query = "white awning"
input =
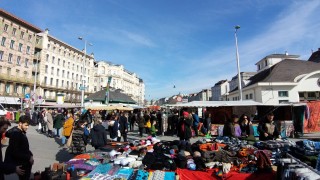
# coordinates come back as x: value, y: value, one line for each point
x: 9, y: 100
x: 217, y: 103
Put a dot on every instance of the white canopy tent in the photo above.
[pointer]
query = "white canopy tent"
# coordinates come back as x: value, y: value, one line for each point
x: 217, y: 103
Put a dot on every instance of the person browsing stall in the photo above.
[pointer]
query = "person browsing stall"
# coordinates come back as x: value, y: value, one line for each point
x: 268, y: 129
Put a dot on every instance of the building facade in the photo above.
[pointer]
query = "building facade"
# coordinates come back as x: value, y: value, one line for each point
x: 121, y: 78
x: 287, y: 81
x: 17, y: 53
x: 220, y: 90
x: 35, y: 63
x: 62, y: 70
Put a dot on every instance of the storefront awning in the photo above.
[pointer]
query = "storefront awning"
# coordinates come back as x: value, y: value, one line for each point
x: 9, y: 100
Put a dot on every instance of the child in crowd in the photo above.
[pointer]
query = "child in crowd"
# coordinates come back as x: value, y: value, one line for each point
x: 153, y: 129
x: 148, y: 126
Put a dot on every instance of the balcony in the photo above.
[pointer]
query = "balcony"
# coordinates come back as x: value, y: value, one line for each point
x: 21, y: 80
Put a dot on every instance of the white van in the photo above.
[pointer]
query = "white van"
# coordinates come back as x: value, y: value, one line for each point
x: 3, y: 111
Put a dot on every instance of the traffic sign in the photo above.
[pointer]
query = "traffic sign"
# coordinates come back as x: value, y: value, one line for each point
x: 27, y: 96
x: 82, y: 88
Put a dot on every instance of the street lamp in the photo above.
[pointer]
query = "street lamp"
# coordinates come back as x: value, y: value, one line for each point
x: 238, y: 61
x: 35, y: 81
x: 82, y: 87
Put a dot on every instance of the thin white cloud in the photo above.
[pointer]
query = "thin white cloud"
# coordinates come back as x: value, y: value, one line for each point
x: 138, y: 38
x: 297, y: 24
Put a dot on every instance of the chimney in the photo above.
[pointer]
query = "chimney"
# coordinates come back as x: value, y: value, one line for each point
x: 286, y: 53
x: 46, y: 31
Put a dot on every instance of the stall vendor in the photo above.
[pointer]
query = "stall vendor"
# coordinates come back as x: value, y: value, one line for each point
x: 267, y: 129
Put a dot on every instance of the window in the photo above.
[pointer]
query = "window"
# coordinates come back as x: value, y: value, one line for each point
x: 68, y: 65
x: 58, y: 61
x: 28, y: 49
x: 62, y: 83
x: 29, y: 37
x: 52, y: 70
x: 311, y: 95
x: 62, y: 73
x: 251, y: 96
x: 9, y: 71
x: 14, y: 30
x: 1, y: 55
x: 283, y: 93
x: 46, y: 70
x: 72, y: 66
x: 10, y: 58
x: 259, y: 67
x: 54, y: 49
x: 58, y: 70
x: 11, y: 44
x: 77, y: 67
x: 26, y: 62
x: 48, y: 46
x: 53, y: 59
x: 301, y: 94
x: 3, y: 41
x: 57, y: 82
x: 15, y: 89
x: 18, y: 60
x: 8, y: 88
x: 77, y: 77
x: 68, y: 74
x: 247, y: 96
x: 22, y: 35
x: 5, y: 28
x: 51, y: 81
x: 20, y: 47
x: 24, y: 89
x: 283, y: 101
x: 72, y: 75
x: 67, y: 84
x: 47, y: 58
x: 63, y: 63
x: 45, y: 80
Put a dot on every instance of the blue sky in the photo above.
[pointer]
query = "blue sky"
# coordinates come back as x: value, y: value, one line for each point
x: 189, y: 44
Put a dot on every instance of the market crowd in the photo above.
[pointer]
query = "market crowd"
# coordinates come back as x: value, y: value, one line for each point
x: 76, y: 129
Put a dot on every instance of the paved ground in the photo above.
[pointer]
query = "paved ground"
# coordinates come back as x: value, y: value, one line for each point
x: 46, y: 150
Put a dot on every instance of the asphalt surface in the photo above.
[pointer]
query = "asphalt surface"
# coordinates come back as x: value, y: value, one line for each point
x: 46, y: 150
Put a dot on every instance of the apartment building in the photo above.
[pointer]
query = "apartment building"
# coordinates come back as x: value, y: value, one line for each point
x: 62, y: 69
x: 17, y: 54
x: 122, y: 79
x: 31, y: 58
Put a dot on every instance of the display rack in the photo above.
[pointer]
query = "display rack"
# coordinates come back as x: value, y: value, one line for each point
x: 302, y: 163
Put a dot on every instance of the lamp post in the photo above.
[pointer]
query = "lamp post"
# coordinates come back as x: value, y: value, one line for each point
x: 238, y: 61
x: 35, y: 81
x: 82, y: 87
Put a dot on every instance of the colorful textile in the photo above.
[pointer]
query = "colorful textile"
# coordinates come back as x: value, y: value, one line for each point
x: 185, y: 174
x: 142, y: 175
x: 124, y: 173
x: 312, y: 124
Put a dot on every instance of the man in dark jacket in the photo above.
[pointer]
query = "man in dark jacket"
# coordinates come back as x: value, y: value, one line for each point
x: 267, y: 129
x: 123, y: 121
x: 98, y: 135
x: 6, y: 168
x: 196, y: 121
x: 18, y: 152
x: 229, y: 126
x: 58, y: 122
